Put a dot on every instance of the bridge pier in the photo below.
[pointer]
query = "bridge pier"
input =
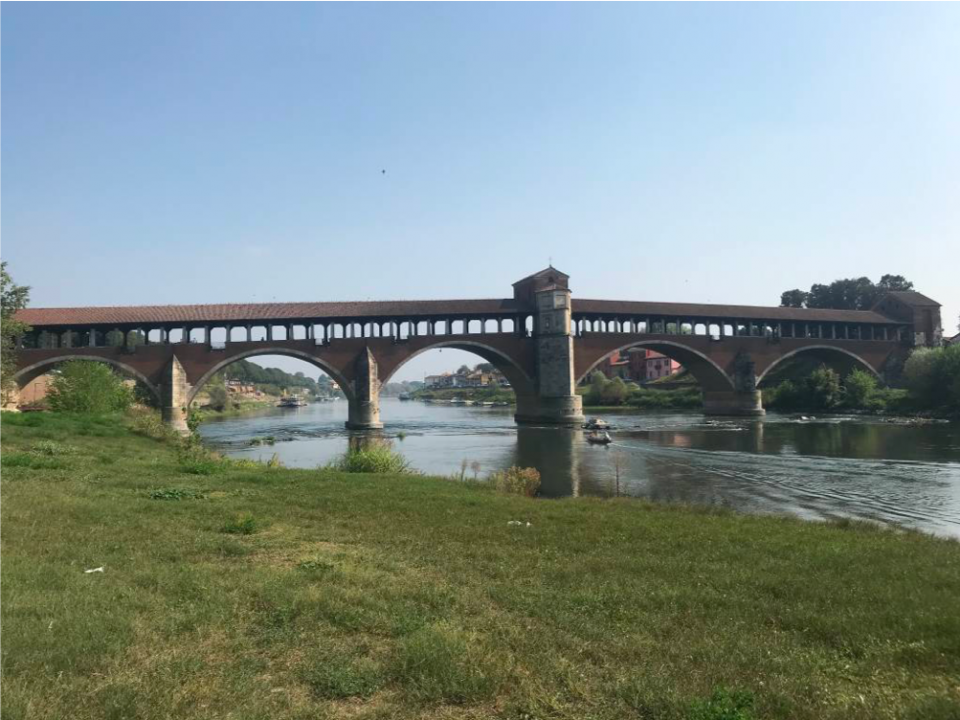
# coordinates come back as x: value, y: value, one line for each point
x: 556, y: 401
x: 174, y: 394
x: 11, y: 398
x: 733, y: 402
x: 364, y: 407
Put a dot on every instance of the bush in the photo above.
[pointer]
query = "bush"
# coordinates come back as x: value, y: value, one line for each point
x: 88, y: 387
x: 933, y: 377
x: 517, y: 481
x: 375, y: 457
x: 614, y: 392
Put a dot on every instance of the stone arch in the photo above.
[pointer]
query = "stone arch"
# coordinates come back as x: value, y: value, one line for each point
x: 25, y: 375
x: 329, y: 369
x: 838, y: 358
x: 520, y: 381
x: 710, y: 375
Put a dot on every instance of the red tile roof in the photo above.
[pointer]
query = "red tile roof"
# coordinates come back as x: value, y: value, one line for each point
x: 740, y: 312
x: 400, y: 309
x: 259, y: 312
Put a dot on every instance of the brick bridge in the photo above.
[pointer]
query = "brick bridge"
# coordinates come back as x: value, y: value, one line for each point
x: 542, y: 340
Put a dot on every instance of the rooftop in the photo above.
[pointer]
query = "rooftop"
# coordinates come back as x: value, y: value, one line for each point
x: 399, y: 310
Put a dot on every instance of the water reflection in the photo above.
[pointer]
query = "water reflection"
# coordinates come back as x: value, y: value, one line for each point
x: 824, y: 468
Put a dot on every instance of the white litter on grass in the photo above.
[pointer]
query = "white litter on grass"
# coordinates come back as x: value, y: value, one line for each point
x: 92, y: 570
x: 516, y: 522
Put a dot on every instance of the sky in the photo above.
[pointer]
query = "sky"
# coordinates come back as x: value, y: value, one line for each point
x: 155, y: 153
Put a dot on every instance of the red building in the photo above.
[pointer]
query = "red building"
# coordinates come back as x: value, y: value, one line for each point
x: 639, y: 365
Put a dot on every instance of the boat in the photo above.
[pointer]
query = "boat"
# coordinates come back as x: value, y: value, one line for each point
x: 595, y: 438
x: 291, y: 401
x: 596, y: 424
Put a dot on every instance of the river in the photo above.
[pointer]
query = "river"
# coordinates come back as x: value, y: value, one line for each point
x: 816, y: 469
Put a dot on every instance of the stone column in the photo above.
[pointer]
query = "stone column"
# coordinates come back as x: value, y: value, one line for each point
x: 364, y: 410
x: 556, y: 401
x: 174, y: 391
x: 744, y: 399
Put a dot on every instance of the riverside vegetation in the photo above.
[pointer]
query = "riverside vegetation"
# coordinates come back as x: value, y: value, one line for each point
x: 235, y: 589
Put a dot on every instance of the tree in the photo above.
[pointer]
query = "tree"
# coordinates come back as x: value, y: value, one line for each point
x: 847, y: 294
x: 858, y: 388
x: 464, y: 370
x: 794, y: 299
x: 86, y: 386
x: 13, y: 297
x: 614, y: 392
x: 485, y: 367
x: 823, y: 388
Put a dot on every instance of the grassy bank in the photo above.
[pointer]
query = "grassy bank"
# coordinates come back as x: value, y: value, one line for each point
x: 233, y: 591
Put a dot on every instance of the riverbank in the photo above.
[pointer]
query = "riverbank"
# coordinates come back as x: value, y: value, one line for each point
x: 238, y: 589
x: 475, y: 394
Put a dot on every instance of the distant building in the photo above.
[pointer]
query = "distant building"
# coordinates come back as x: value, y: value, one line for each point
x: 639, y: 365
x: 955, y: 340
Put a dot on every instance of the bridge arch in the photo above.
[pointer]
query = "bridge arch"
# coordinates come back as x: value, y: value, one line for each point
x: 840, y: 359
x: 26, y: 375
x: 326, y: 367
x: 521, y: 382
x: 710, y: 375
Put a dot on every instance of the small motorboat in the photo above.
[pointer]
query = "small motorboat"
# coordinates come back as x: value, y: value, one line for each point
x: 291, y: 401
x: 595, y: 438
x: 596, y: 424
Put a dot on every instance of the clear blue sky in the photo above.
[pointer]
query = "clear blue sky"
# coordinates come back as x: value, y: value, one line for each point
x: 221, y: 152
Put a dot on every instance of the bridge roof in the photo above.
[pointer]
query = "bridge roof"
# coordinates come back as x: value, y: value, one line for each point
x: 261, y: 312
x: 402, y: 309
x: 739, y: 312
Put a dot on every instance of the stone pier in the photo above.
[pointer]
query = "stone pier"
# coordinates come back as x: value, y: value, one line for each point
x: 364, y: 410
x: 174, y: 396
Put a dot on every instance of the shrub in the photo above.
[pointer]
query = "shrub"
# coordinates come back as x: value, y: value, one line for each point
x: 88, y: 387
x: 517, y: 481
x: 823, y: 388
x: 375, y: 457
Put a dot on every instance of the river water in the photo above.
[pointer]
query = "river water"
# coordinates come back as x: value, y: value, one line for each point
x: 816, y: 469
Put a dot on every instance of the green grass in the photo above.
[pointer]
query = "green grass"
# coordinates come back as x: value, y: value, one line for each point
x: 400, y: 596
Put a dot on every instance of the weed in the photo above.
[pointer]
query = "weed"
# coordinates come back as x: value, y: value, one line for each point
x: 338, y: 678
x: 517, y: 481
x: 315, y: 565
x: 177, y: 494
x: 724, y: 705
x: 52, y: 448
x: 30, y: 460
x: 242, y: 524
x: 377, y: 458
x: 437, y: 663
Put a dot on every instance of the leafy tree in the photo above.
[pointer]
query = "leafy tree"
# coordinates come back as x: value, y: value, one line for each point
x: 464, y: 370
x: 13, y: 297
x: 823, y: 388
x: 614, y: 392
x: 485, y: 367
x: 847, y: 294
x: 858, y: 387
x: 218, y: 395
x: 794, y: 298
x: 85, y: 386
x: 933, y: 377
